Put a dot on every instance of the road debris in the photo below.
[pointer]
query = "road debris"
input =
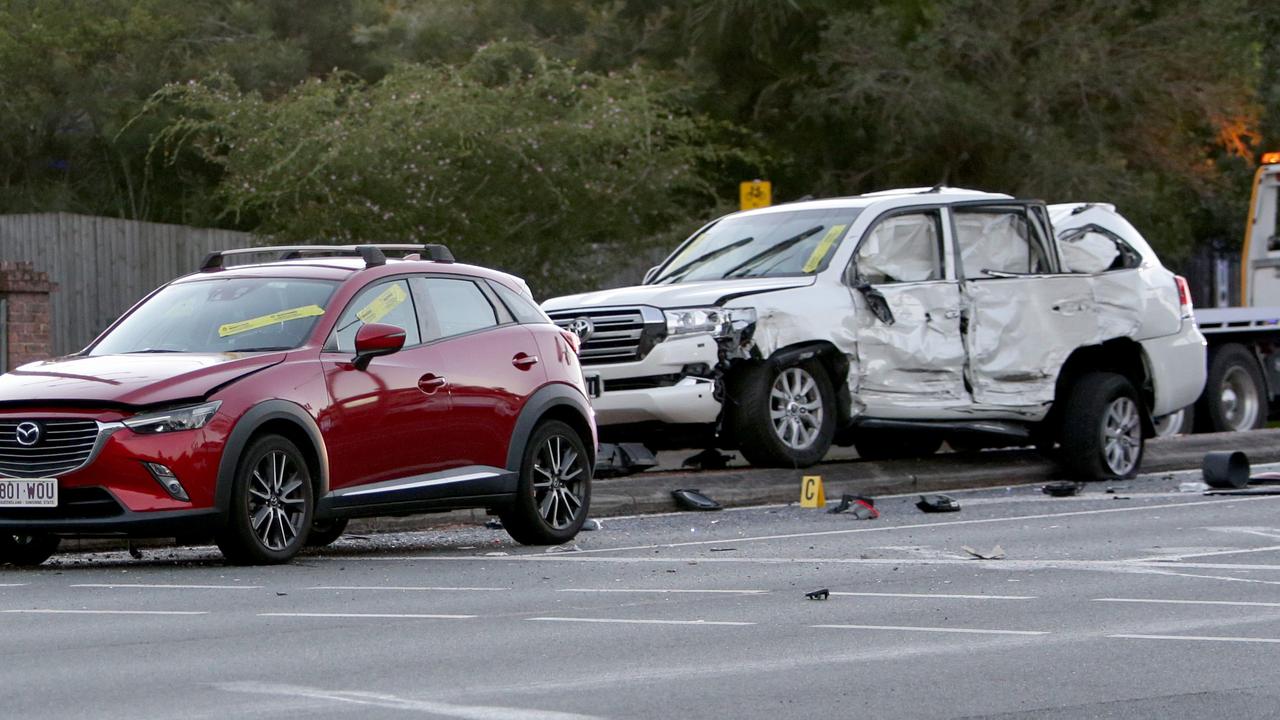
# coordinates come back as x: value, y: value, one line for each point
x: 995, y: 553
x: 724, y: 549
x: 591, y: 525
x: 860, y: 506
x: 938, y: 504
x: 709, y: 459
x: 493, y: 524
x: 1226, y: 470
x: 1192, y: 487
x: 622, y: 459
x: 562, y: 549
x: 690, y: 499
x: 1062, y: 488
x: 822, y: 594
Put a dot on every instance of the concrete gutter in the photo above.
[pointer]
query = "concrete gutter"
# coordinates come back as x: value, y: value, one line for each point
x: 651, y: 492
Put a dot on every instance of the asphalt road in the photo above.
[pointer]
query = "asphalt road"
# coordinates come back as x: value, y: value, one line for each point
x: 1143, y: 603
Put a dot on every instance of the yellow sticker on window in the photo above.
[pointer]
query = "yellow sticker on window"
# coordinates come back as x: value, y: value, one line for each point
x: 298, y: 313
x: 824, y: 246
x: 387, y: 300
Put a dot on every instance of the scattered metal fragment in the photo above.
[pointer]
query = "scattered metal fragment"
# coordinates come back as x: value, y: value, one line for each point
x: 694, y: 500
x: 1062, y: 488
x: 1226, y: 470
x: 995, y: 553
x: 860, y: 506
x: 938, y: 504
x: 822, y: 594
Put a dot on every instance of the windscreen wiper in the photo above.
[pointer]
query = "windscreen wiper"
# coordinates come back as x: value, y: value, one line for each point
x: 685, y: 268
x: 772, y: 251
x: 154, y: 350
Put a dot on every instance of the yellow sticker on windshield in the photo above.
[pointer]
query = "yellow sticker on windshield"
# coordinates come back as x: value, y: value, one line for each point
x: 824, y: 246
x: 386, y: 301
x: 298, y: 313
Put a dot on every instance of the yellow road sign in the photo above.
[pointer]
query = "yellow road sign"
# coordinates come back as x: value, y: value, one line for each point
x: 755, y: 194
x: 811, y: 493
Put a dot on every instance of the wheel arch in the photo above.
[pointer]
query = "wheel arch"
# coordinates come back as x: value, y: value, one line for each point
x: 835, y: 362
x: 279, y: 417
x: 556, y: 401
x: 1122, y: 356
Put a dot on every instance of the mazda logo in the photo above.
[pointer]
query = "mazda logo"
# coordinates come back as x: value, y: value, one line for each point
x: 28, y: 434
x: 582, y: 327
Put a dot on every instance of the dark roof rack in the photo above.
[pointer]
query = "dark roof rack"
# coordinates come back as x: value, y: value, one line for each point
x: 372, y: 255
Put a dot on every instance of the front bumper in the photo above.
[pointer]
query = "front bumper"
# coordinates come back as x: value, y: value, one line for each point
x: 1178, y: 368
x: 690, y: 400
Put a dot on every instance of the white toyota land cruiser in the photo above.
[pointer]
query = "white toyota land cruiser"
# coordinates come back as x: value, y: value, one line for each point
x: 893, y: 321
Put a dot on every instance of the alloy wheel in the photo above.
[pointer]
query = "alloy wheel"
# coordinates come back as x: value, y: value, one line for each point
x: 1122, y: 436
x: 277, y: 503
x: 795, y: 408
x: 1239, y: 399
x: 557, y: 483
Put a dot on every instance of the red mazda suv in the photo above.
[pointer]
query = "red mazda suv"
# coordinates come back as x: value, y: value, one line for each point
x: 265, y: 404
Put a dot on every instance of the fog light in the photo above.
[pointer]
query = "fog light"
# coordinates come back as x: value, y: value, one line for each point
x: 168, y: 481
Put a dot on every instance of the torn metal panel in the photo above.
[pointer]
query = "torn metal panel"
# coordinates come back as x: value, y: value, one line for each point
x: 1021, y: 331
x: 1120, y: 306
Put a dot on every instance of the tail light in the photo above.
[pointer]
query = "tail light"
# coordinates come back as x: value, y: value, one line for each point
x: 1184, y: 295
x: 572, y: 341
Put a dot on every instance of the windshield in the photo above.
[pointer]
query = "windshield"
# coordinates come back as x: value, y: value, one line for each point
x: 764, y: 245
x: 222, y: 315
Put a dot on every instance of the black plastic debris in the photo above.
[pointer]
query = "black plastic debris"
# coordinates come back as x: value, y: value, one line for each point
x: 995, y: 553
x: 822, y: 594
x: 1226, y: 469
x: 493, y: 524
x: 1062, y: 488
x: 709, y: 459
x: 694, y: 500
x: 621, y: 459
x: 860, y: 506
x: 938, y: 504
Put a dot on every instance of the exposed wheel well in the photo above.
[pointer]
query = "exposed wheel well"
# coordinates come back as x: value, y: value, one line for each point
x: 835, y: 362
x: 298, y: 436
x: 1122, y: 356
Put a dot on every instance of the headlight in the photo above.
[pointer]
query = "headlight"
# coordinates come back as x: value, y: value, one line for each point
x: 716, y: 321
x: 183, y: 418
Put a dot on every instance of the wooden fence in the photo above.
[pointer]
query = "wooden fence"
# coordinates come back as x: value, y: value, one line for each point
x: 104, y: 265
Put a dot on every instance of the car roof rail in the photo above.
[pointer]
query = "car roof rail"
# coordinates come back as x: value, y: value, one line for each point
x: 372, y: 254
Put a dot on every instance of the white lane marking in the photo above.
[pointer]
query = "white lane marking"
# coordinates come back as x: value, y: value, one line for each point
x: 1209, y: 638
x: 665, y: 591
x: 51, y: 611
x: 404, y: 616
x: 1224, y: 578
x: 1183, y: 556
x: 430, y: 707
x: 408, y: 588
x: 628, y: 621
x: 1156, y: 601
x: 935, y: 595
x: 14, y: 584
x: 157, y: 586
x: 913, y: 628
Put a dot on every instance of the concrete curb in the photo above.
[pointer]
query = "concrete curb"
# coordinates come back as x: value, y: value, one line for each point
x: 651, y: 492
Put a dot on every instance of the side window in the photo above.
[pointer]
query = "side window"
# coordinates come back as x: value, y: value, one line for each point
x: 455, y: 306
x: 1092, y: 249
x: 388, y: 303
x: 902, y: 248
x: 521, y: 307
x: 998, y: 240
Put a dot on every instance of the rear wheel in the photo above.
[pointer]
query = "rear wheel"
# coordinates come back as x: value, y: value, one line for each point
x: 27, y: 550
x: 784, y: 416
x: 1235, y: 397
x: 554, y: 491
x: 1102, y: 427
x: 326, y: 532
x: 271, y: 504
x: 1177, y: 423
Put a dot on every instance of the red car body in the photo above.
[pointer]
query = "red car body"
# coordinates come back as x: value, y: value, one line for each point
x: 439, y: 424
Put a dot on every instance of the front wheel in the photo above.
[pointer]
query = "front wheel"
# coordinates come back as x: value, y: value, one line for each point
x: 27, y: 550
x: 271, y: 504
x: 783, y: 416
x: 553, y: 494
x: 1102, y: 427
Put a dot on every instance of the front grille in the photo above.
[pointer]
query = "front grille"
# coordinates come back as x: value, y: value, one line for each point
x: 73, y: 504
x: 64, y: 445
x: 619, y: 335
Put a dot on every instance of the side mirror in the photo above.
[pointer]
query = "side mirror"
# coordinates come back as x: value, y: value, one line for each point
x: 650, y: 274
x: 374, y: 340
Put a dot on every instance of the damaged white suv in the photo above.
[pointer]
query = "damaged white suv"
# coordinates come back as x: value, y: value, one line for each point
x: 894, y: 321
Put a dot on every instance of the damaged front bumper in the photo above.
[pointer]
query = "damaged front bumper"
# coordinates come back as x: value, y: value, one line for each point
x: 673, y: 384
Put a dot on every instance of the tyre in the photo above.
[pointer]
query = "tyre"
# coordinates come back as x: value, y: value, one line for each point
x: 326, y: 532
x: 271, y: 504
x: 553, y: 495
x: 896, y: 444
x: 783, y: 416
x: 1177, y: 423
x: 1102, y: 427
x: 1235, y: 396
x: 27, y: 550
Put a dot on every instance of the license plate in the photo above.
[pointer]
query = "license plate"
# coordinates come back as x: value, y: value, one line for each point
x: 595, y: 388
x: 28, y: 492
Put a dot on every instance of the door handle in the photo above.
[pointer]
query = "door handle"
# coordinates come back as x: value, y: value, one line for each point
x: 430, y: 383
x: 524, y: 361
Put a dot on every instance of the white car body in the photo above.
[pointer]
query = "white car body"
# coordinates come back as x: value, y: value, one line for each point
x: 960, y: 348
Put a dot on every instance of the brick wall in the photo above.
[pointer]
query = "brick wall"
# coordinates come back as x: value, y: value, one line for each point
x: 28, y: 325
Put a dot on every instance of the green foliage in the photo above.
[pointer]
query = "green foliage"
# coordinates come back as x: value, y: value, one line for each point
x: 513, y: 160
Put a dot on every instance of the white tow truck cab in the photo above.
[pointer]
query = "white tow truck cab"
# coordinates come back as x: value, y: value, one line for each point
x: 892, y: 321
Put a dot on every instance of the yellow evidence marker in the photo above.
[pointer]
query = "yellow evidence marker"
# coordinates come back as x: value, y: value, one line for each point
x: 811, y: 493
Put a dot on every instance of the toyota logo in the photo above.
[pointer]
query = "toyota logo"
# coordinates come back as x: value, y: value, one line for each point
x: 28, y: 434
x: 582, y: 327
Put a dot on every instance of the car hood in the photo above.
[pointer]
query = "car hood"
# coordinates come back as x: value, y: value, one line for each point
x: 689, y: 294
x: 134, y: 380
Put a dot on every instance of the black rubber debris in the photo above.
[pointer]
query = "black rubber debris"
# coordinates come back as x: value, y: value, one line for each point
x: 694, y: 500
x: 822, y: 594
x: 1226, y: 470
x: 856, y: 503
x: 938, y: 504
x: 1062, y: 488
